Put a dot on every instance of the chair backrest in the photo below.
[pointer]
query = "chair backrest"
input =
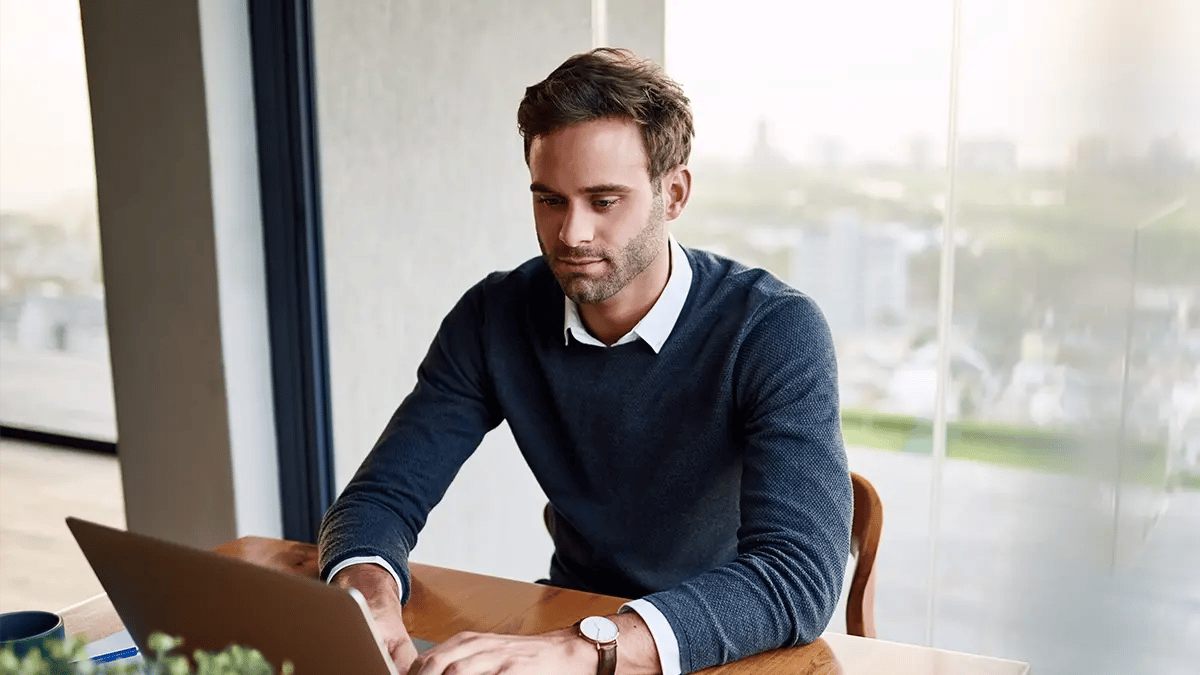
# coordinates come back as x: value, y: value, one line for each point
x: 864, y: 544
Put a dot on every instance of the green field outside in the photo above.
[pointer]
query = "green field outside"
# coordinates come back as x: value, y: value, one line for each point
x: 1019, y: 447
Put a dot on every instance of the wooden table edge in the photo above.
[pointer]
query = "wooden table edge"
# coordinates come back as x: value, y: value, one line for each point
x: 99, y: 617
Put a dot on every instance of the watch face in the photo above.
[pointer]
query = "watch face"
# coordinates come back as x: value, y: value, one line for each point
x: 599, y: 629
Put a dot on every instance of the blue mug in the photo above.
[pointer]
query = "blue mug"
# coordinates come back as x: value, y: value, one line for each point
x: 25, y: 631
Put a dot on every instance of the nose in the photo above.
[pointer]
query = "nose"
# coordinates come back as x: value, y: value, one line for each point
x: 578, y: 227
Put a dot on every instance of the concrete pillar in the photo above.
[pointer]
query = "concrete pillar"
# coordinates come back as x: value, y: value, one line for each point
x: 181, y: 239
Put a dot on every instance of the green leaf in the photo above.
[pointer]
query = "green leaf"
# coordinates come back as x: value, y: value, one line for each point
x: 176, y: 665
x: 70, y: 658
x: 160, y: 644
x: 34, y: 663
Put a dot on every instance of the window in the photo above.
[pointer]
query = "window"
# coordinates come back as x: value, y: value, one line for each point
x: 54, y: 367
x: 1055, y: 527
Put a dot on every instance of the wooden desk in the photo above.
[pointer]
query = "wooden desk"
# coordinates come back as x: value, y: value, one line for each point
x: 444, y: 602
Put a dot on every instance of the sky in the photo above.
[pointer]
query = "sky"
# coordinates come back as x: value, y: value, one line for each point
x: 875, y: 73
x: 45, y: 122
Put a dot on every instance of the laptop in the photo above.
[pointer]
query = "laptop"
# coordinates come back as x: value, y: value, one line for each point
x: 212, y: 602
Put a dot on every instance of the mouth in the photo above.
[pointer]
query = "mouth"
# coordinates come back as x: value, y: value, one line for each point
x: 579, y: 263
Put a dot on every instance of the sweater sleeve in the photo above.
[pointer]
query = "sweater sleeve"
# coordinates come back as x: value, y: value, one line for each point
x: 796, y: 500
x: 431, y: 434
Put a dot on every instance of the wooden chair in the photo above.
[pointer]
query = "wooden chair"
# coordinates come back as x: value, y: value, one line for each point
x: 864, y: 543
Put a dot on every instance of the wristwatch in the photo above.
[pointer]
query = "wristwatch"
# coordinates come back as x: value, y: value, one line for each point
x: 602, y: 633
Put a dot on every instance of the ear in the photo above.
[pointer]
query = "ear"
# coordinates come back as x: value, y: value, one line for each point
x: 676, y: 188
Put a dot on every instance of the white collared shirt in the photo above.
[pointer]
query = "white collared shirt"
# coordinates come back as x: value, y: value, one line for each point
x: 656, y: 326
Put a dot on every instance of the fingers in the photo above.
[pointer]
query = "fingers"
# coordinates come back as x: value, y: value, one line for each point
x: 462, y: 651
x: 482, y: 663
x: 486, y: 654
x: 403, y: 655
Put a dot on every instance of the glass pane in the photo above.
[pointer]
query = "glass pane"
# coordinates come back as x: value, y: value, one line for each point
x: 1069, y: 519
x: 819, y: 149
x: 54, y: 368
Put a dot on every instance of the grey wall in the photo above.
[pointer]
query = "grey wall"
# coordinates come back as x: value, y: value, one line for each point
x: 638, y: 25
x: 425, y: 191
x: 180, y: 231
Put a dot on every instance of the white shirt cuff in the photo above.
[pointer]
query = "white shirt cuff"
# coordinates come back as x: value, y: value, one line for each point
x: 362, y: 559
x: 660, y: 630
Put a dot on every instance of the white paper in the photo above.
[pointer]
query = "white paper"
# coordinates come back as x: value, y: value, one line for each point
x: 114, y: 643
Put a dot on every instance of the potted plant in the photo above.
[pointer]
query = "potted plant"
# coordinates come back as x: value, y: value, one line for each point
x: 69, y: 658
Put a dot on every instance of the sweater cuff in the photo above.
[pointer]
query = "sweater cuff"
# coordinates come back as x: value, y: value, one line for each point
x: 362, y: 560
x: 660, y: 630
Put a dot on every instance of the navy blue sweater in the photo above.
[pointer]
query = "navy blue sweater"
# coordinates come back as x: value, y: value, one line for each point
x: 709, y: 478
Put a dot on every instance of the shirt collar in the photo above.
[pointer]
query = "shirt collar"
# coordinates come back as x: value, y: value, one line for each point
x: 656, y: 326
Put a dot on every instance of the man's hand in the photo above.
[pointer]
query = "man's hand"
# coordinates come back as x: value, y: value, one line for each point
x: 562, y: 652
x: 383, y: 599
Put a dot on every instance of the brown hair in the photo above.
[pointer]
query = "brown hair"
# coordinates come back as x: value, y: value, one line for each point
x: 607, y: 82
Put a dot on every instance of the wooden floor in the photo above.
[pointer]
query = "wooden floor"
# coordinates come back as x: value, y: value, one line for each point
x: 40, y: 565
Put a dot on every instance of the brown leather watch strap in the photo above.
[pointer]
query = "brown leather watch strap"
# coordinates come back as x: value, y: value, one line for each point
x: 608, y: 659
x: 606, y: 651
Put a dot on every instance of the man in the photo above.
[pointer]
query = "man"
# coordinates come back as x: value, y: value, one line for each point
x: 680, y: 410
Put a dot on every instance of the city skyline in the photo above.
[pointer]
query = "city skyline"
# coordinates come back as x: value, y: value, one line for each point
x: 870, y: 72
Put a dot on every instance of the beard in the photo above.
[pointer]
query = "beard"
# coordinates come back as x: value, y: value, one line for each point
x: 621, y: 266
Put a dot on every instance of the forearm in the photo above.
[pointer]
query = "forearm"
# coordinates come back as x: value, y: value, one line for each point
x: 783, y: 585
x: 754, y: 604
x: 636, y: 651
x: 378, y: 588
x: 371, y: 580
x: 364, y: 528
x: 364, y: 560
x: 425, y: 443
x: 386, y: 504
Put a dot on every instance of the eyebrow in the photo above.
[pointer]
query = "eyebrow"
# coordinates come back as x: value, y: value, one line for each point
x: 606, y: 188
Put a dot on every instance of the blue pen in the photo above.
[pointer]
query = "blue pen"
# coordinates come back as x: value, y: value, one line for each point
x: 113, y: 656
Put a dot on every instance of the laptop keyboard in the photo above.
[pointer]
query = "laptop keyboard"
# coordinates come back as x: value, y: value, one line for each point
x: 423, y: 645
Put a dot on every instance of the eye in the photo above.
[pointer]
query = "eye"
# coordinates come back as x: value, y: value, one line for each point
x: 549, y: 200
x: 604, y: 204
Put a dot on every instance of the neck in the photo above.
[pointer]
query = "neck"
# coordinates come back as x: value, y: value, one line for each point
x: 608, y: 321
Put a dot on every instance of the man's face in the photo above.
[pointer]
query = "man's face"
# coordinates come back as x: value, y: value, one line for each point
x: 599, y: 221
